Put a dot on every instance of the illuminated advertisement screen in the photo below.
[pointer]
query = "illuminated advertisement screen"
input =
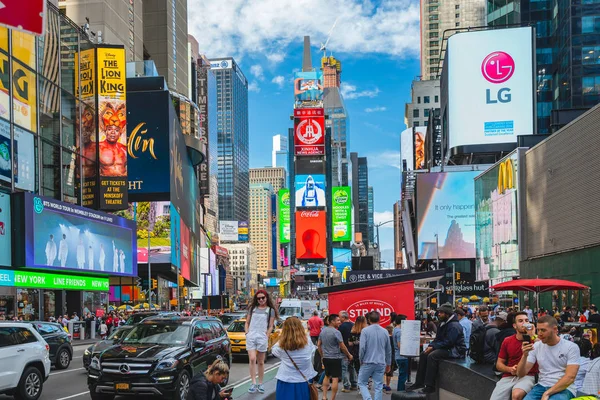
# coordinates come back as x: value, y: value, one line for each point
x: 308, y: 86
x: 284, y: 215
x: 496, y: 230
x: 310, y: 165
x: 419, y: 138
x: 310, y: 190
x: 341, y: 213
x: 309, y: 131
x: 446, y: 208
x: 311, y: 240
x: 64, y: 236
x: 158, y: 216
x: 5, y: 230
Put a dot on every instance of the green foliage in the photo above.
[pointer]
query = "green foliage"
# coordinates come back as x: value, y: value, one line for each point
x: 162, y: 227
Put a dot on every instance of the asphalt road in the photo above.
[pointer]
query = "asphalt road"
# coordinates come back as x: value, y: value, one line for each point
x: 71, y: 383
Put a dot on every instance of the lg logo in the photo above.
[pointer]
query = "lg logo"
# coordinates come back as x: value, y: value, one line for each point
x: 498, y: 67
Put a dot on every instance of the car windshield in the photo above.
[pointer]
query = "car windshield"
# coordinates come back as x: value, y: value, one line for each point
x: 136, y: 318
x: 162, y: 333
x: 227, y: 319
x: 290, y: 311
x: 237, y: 326
x: 118, y: 334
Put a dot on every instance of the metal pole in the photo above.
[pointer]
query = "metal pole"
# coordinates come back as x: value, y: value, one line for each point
x: 437, y: 260
x: 453, y: 285
x: 149, y: 273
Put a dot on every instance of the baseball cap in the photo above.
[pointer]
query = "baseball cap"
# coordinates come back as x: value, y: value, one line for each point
x: 503, y: 315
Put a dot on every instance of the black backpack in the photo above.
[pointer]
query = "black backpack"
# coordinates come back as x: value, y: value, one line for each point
x: 477, y: 344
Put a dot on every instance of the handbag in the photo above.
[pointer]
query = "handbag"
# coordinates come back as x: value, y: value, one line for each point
x: 312, y: 389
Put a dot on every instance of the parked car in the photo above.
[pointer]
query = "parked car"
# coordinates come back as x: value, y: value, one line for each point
x: 61, y: 349
x: 228, y: 318
x: 25, y: 360
x: 138, y: 317
x: 237, y: 336
x: 114, y: 338
x: 159, y: 356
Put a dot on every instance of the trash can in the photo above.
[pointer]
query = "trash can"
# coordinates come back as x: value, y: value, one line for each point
x: 93, y: 330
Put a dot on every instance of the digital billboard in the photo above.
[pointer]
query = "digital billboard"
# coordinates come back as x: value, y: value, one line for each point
x: 310, y: 190
x: 308, y: 86
x: 5, y: 230
x: 311, y: 239
x: 64, y: 236
x: 342, y: 258
x: 446, y: 207
x: 309, y: 131
x: 41, y: 280
x: 496, y: 221
x: 228, y: 231
x: 157, y: 216
x: 112, y: 127
x: 243, y: 228
x: 419, y: 144
x: 283, y: 197
x: 490, y: 85
x: 341, y: 213
x: 310, y: 165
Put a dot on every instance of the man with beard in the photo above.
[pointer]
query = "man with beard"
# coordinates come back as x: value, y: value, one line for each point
x: 448, y: 343
x: 510, y: 353
x: 113, y: 155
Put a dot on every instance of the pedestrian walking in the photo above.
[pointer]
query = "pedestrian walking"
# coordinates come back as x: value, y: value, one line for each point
x: 390, y: 374
x: 375, y: 357
x: 401, y: 362
x: 332, y: 349
x: 348, y: 372
x: 207, y: 386
x: 295, y: 352
x: 103, y: 329
x: 259, y: 324
x: 354, y: 342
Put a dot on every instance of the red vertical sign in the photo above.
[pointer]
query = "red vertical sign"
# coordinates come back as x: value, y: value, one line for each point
x: 23, y: 15
x: 309, y: 131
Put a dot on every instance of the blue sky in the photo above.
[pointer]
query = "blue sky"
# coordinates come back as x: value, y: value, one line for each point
x: 377, y: 43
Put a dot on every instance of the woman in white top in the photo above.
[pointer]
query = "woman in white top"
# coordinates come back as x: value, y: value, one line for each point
x: 293, y: 347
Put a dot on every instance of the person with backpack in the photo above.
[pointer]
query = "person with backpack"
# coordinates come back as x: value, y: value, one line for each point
x: 259, y: 324
x: 448, y: 343
x: 478, y: 334
x: 489, y: 344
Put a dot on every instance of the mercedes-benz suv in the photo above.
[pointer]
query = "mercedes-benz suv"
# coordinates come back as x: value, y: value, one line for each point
x: 158, y: 356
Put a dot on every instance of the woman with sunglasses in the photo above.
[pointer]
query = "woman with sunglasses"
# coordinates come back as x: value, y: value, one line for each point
x: 259, y: 324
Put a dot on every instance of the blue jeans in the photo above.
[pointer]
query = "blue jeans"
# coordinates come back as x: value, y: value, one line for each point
x: 402, y: 363
x: 538, y: 391
x: 374, y: 371
x: 348, y: 374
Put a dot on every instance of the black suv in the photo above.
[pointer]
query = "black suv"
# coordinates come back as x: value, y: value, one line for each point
x: 158, y: 356
x: 142, y: 315
x: 61, y: 350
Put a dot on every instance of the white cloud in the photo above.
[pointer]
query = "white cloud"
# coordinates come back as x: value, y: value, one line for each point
x: 279, y: 81
x: 375, y: 109
x: 349, y: 92
x: 239, y: 27
x: 385, y: 159
x: 384, y: 216
x: 253, y: 87
x: 257, y: 71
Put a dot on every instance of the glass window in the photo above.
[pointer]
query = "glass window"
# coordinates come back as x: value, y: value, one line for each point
x: 416, y: 123
x: 591, y: 85
x: 24, y: 97
x: 26, y: 176
x: 436, y: 99
x: 4, y: 38
x: 69, y: 37
x: 46, y: 329
x: 416, y: 113
x: 418, y: 100
x: 69, y: 118
x: 49, y: 111
x: 50, y: 170
x: 590, y: 55
x: 457, y: 24
x: 23, y: 48
x: 8, y: 336
x: 457, y: 6
x: 457, y: 15
x: 426, y: 99
x: 426, y: 112
x: 70, y: 177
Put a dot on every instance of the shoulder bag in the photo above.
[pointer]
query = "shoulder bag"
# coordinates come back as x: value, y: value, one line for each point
x: 312, y: 389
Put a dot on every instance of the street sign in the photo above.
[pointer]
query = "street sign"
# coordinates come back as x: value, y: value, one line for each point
x: 26, y: 16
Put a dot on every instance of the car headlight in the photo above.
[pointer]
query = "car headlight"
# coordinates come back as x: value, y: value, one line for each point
x: 169, y: 363
x: 95, y: 363
x: 87, y: 352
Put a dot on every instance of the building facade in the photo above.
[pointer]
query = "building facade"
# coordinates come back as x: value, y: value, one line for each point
x: 261, y: 236
x: 280, y: 155
x: 111, y: 22
x: 242, y: 265
x: 425, y: 96
x: 437, y: 17
x: 233, y: 142
x: 273, y: 176
x: 166, y: 40
x: 360, y: 196
x: 397, y: 211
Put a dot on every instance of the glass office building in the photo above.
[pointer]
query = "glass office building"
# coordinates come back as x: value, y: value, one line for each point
x: 567, y: 51
x: 338, y: 122
x: 233, y: 142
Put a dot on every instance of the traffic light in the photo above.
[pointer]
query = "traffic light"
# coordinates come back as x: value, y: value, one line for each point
x: 154, y: 283
x: 185, y: 292
x: 181, y: 282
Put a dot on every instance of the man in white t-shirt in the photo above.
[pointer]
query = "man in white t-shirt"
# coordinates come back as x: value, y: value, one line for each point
x: 558, y: 361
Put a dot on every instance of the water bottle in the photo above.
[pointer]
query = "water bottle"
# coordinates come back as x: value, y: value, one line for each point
x: 529, y: 326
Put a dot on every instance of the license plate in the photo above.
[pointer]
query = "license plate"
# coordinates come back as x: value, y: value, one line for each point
x: 235, y: 349
x: 122, y: 386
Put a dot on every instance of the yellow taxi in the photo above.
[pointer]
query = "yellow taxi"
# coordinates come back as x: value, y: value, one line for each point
x: 237, y: 336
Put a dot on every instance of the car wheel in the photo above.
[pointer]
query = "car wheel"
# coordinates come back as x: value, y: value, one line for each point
x: 30, y: 385
x: 63, y: 359
x: 101, y: 396
x: 183, y: 386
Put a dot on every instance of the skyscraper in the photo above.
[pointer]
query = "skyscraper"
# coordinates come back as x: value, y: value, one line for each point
x: 425, y: 96
x: 273, y: 176
x: 439, y: 16
x: 233, y: 145
x: 371, y: 208
x: 360, y: 196
x: 338, y: 120
x: 280, y: 156
x: 260, y: 226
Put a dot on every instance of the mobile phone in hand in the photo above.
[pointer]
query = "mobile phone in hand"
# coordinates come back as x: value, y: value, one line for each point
x: 527, y: 338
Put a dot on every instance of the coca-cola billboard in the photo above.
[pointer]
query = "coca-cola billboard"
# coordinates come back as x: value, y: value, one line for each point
x: 309, y: 131
x: 385, y: 299
x: 311, y: 239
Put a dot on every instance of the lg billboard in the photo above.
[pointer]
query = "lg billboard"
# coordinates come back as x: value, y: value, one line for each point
x: 490, y: 86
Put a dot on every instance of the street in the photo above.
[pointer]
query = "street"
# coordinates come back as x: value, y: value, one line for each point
x: 71, y: 383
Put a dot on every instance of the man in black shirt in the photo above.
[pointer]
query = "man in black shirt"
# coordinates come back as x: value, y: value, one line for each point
x: 594, y: 316
x: 348, y: 371
x: 566, y: 316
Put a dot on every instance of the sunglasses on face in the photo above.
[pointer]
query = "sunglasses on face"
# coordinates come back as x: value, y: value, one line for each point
x: 261, y: 298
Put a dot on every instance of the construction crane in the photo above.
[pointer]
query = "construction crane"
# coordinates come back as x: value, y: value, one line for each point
x: 324, y: 45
